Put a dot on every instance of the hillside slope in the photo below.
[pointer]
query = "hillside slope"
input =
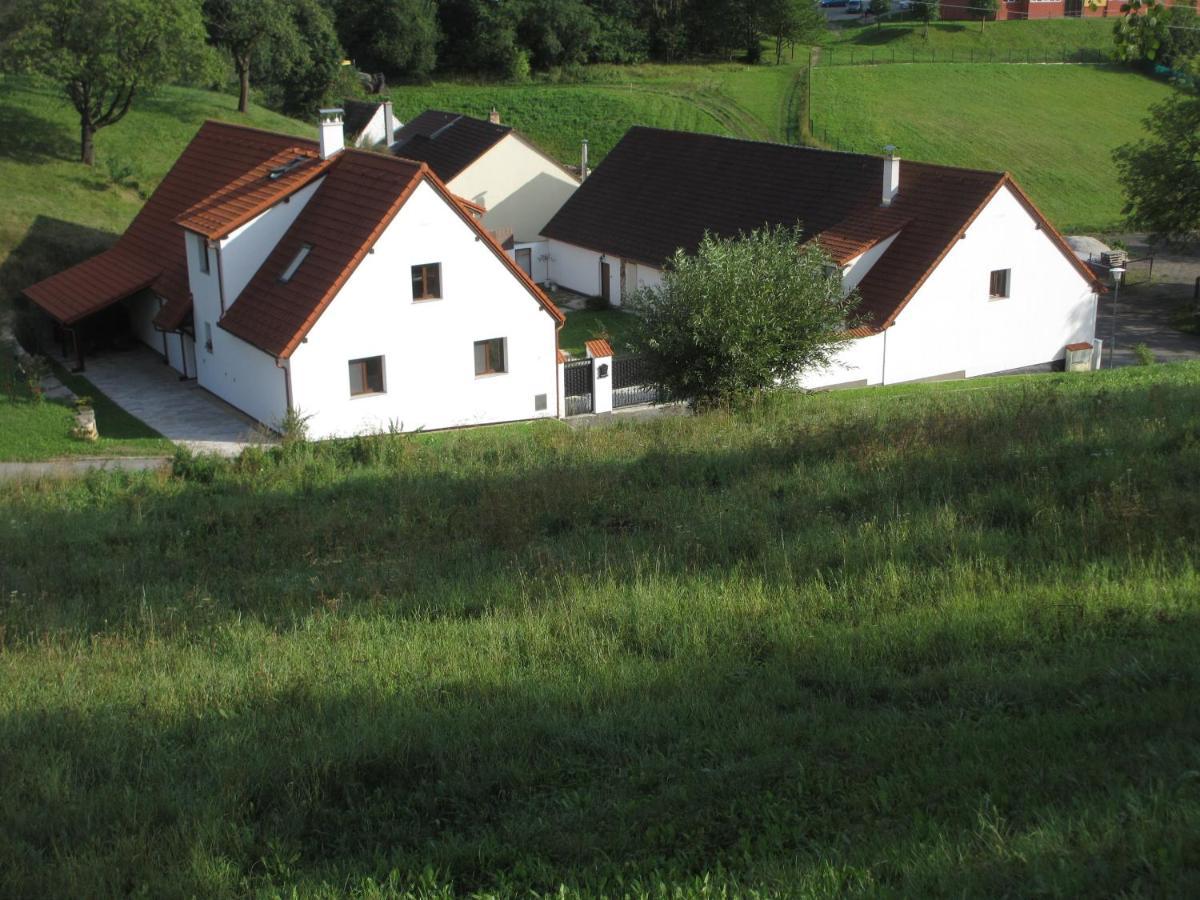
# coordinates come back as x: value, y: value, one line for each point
x: 56, y: 211
x: 930, y: 640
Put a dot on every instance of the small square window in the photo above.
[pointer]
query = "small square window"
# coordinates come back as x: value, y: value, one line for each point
x: 999, y: 283
x: 427, y: 281
x: 366, y: 376
x: 489, y: 357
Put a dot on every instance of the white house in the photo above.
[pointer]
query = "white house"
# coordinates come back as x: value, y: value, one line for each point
x: 517, y: 185
x: 368, y: 123
x: 959, y: 273
x: 351, y: 287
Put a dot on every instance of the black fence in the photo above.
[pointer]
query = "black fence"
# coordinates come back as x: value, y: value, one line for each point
x: 631, y: 382
x: 577, y: 386
x: 875, y: 56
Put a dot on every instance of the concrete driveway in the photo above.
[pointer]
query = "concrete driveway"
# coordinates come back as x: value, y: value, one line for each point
x: 180, y: 411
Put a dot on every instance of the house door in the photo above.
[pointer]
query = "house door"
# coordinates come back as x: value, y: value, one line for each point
x: 605, y: 281
x: 525, y: 261
x: 1073, y: 9
x: 629, y: 281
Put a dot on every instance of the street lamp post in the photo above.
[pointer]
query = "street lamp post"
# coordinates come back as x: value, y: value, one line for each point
x: 1115, y: 272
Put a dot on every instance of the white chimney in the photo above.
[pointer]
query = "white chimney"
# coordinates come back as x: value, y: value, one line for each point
x: 494, y: 116
x: 333, y: 139
x: 891, y: 175
x: 389, y: 124
x: 583, y: 165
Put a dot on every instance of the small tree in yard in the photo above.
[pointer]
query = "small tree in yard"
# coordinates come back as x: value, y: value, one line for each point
x: 985, y: 9
x: 104, y: 52
x: 879, y: 9
x: 741, y: 316
x: 927, y: 11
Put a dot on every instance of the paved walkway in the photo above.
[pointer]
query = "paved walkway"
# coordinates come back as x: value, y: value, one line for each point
x: 180, y: 411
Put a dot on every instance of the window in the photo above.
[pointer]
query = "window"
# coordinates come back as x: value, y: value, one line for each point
x: 427, y: 281
x: 489, y: 357
x: 366, y: 376
x: 295, y: 263
x: 208, y: 336
x: 999, y: 283
x: 204, y: 265
x: 525, y: 261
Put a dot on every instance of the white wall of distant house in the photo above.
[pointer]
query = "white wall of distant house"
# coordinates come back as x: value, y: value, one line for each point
x: 578, y: 268
x: 953, y: 327
x: 520, y: 188
x: 427, y: 346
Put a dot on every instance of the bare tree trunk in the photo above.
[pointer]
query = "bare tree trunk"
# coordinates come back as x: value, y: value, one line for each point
x: 87, y: 145
x: 243, y: 69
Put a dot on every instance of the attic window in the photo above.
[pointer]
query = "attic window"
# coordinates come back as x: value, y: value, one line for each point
x: 295, y: 263
x: 285, y: 168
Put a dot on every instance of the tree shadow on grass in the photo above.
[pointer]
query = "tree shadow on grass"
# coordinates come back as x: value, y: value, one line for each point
x: 27, y: 138
x: 49, y: 246
x: 989, y: 765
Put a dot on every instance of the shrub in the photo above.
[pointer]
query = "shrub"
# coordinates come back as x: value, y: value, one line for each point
x: 1144, y: 355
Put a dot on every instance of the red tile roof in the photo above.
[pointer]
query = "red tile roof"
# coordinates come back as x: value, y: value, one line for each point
x: 1082, y: 345
x: 151, y: 251
x: 658, y: 191
x: 598, y: 347
x: 361, y: 194
x: 253, y: 192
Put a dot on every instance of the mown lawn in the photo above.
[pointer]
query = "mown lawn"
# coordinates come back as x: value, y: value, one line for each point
x: 922, y: 641
x: 1025, y: 119
x: 31, y: 430
x: 1044, y: 37
x: 583, y: 325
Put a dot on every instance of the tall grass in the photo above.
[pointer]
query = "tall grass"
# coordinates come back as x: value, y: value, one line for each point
x: 925, y: 640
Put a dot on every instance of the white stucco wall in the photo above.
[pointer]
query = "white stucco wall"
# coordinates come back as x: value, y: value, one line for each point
x: 859, y: 360
x: 142, y: 308
x: 857, y: 268
x: 428, y: 346
x: 245, y: 249
x: 578, y: 268
x: 520, y: 188
x: 538, y: 251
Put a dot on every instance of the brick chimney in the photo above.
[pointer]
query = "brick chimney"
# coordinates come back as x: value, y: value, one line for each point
x: 333, y: 139
x: 494, y: 116
x: 891, y: 175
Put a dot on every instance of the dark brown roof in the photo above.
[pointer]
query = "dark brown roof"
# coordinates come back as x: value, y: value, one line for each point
x: 357, y: 115
x: 658, y: 191
x: 359, y: 197
x: 447, y: 142
x: 151, y: 251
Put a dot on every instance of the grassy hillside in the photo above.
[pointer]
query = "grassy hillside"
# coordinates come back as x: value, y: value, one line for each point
x: 1038, y: 37
x: 922, y: 641
x: 1030, y: 120
x: 56, y: 211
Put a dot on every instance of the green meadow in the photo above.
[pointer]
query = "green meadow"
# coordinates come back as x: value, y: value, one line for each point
x: 919, y: 641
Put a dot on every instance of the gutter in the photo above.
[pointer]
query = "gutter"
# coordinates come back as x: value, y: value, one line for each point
x: 220, y: 276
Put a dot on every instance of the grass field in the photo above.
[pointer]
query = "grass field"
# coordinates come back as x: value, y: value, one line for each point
x: 1026, y: 119
x: 583, y: 325
x: 954, y: 39
x: 919, y: 641
x: 56, y: 211
x: 30, y: 430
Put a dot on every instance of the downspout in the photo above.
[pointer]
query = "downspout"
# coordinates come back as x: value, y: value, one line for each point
x: 558, y: 410
x: 182, y: 356
x: 220, y: 278
x: 282, y: 365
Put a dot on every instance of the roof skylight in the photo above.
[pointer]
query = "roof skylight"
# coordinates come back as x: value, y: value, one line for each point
x: 295, y: 263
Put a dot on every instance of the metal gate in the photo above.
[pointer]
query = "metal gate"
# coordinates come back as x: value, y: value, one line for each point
x: 577, y: 385
x: 631, y: 383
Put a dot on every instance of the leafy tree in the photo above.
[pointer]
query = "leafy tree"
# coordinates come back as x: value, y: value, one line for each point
x: 398, y: 37
x: 104, y: 52
x: 879, y: 9
x: 243, y: 27
x: 555, y: 32
x: 926, y: 11
x: 985, y: 9
x: 302, y: 68
x: 741, y: 316
x: 791, y: 21
x: 1140, y: 31
x: 1160, y: 174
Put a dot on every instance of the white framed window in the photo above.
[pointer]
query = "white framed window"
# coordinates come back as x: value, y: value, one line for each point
x: 366, y: 376
x: 999, y: 284
x: 490, y: 357
x: 287, y: 273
